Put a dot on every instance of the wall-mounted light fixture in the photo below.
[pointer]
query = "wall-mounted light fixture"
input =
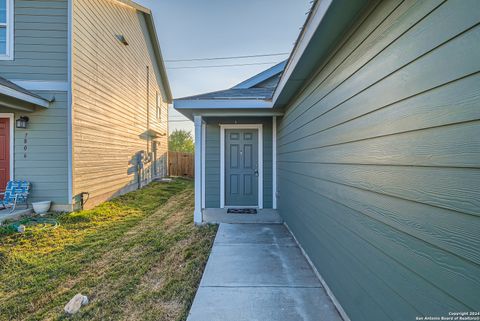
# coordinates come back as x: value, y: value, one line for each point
x: 22, y: 122
x: 122, y: 39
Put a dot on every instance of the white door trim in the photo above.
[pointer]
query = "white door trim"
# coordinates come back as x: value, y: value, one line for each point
x: 10, y: 116
x: 259, y: 127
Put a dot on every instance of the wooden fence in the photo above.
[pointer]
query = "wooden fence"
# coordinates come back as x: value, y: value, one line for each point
x: 180, y: 164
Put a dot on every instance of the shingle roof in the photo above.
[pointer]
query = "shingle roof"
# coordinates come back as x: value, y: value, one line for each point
x: 248, y: 89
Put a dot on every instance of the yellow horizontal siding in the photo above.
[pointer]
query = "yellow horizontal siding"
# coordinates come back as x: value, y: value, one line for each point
x: 113, y: 102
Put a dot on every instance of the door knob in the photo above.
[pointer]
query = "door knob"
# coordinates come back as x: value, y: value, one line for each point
x: 256, y: 173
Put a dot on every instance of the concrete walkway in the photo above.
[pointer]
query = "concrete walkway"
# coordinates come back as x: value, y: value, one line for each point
x: 257, y: 272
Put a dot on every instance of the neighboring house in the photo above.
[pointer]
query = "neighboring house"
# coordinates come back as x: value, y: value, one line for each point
x: 90, y: 78
x: 369, y: 146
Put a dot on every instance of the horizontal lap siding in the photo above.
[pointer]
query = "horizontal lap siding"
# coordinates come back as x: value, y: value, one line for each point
x: 110, y: 97
x: 378, y: 163
x: 40, y: 53
x: 212, y: 158
x: 42, y: 158
x: 41, y: 41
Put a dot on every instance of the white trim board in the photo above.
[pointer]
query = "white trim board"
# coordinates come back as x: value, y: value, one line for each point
x: 259, y: 127
x: 180, y: 104
x: 10, y: 116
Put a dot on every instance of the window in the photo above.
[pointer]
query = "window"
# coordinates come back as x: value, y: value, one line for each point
x: 6, y: 29
x: 159, y: 106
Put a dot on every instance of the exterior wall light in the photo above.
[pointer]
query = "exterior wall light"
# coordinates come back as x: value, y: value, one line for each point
x: 122, y: 39
x: 22, y: 122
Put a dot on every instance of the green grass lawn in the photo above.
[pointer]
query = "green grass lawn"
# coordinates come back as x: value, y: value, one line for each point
x: 137, y: 257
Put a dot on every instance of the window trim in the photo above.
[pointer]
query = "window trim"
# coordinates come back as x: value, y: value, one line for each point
x: 10, y: 35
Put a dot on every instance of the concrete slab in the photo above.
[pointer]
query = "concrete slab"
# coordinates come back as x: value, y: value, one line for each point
x: 254, y: 234
x: 257, y: 272
x: 220, y: 215
x: 5, y: 214
x: 261, y: 304
x: 258, y: 265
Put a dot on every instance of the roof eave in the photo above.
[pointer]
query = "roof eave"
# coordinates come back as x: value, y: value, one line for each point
x: 24, y: 97
x: 136, y: 6
x: 156, y: 45
x: 158, y: 55
x: 231, y: 107
x: 326, y: 23
x: 221, y: 103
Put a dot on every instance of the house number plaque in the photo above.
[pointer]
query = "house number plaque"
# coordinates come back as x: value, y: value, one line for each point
x: 25, y: 147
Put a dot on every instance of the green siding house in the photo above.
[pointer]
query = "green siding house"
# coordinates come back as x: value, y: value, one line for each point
x: 367, y: 142
x: 90, y: 119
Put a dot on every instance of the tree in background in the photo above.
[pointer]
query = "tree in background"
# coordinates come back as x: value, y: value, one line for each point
x: 181, y: 141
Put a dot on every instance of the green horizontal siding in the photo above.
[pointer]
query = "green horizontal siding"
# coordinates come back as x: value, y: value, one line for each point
x: 46, y: 161
x: 41, y: 41
x: 212, y: 158
x: 378, y: 162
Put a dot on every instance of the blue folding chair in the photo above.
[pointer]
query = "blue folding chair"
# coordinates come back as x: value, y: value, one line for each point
x: 15, y: 192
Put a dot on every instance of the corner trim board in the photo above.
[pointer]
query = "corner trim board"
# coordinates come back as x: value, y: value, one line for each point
x: 197, y: 213
x: 203, y: 163
x: 70, y: 105
x: 274, y: 162
x: 260, y: 160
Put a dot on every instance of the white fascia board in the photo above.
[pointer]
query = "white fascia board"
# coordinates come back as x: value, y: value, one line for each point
x: 319, y: 12
x: 221, y: 104
x: 251, y: 113
x: 7, y: 91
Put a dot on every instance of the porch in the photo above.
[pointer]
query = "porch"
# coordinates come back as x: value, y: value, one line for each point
x: 235, y: 144
x: 235, y: 167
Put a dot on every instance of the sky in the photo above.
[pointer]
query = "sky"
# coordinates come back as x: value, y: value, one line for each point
x: 190, y: 29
